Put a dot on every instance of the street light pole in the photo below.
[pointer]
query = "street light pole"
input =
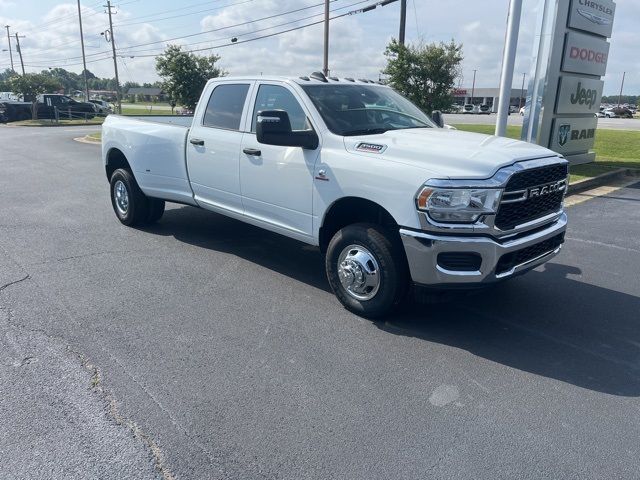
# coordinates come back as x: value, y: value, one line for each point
x: 325, y: 68
x: 19, y: 50
x: 508, y: 62
x: 521, y: 93
x: 621, y: 87
x: 403, y: 21
x: 84, y: 61
x: 10, y: 54
x: 473, y: 86
x: 115, y: 62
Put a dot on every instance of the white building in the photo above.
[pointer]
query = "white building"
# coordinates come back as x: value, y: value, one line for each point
x: 487, y: 96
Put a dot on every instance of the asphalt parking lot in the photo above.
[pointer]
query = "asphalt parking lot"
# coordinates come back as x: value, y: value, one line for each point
x: 202, y: 347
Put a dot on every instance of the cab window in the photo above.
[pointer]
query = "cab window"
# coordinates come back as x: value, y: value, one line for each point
x: 276, y: 97
x: 224, y: 109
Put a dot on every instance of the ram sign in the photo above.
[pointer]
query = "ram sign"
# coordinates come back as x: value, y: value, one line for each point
x: 579, y: 95
x: 585, y: 54
x: 593, y: 16
x: 573, y: 135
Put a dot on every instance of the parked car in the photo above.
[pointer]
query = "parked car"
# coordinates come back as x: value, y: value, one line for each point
x: 103, y: 108
x: 610, y: 113
x: 522, y: 111
x: 388, y: 195
x: 484, y: 109
x: 513, y: 109
x: 469, y: 108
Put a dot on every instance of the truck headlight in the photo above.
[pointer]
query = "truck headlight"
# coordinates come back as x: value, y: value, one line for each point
x: 458, y: 205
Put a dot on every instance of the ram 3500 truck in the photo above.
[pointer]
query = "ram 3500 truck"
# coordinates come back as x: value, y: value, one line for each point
x: 389, y: 196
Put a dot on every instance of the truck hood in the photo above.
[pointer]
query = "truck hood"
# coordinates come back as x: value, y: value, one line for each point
x: 446, y: 153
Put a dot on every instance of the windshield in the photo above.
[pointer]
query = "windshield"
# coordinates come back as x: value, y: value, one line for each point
x: 365, y: 109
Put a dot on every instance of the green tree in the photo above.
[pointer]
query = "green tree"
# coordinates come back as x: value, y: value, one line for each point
x: 424, y: 73
x: 33, y: 84
x: 184, y: 74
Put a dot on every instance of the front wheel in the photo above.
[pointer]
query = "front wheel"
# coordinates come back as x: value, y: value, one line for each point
x: 366, y: 269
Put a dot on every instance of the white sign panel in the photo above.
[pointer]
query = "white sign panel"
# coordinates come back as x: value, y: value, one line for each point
x: 593, y: 16
x: 585, y: 54
x: 580, y: 95
x: 573, y: 135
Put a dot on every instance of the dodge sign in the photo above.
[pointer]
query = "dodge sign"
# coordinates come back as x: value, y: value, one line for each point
x: 585, y: 54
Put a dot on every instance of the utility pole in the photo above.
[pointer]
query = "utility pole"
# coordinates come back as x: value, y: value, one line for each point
x: 325, y: 68
x: 10, y: 54
x: 473, y: 86
x: 521, y: 93
x: 113, y: 49
x: 403, y: 20
x: 508, y: 63
x: 19, y: 50
x: 621, y: 87
x: 84, y: 61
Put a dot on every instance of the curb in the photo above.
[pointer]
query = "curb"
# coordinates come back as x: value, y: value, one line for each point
x: 600, y: 180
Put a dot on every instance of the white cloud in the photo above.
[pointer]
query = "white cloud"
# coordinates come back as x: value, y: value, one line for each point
x: 356, y: 47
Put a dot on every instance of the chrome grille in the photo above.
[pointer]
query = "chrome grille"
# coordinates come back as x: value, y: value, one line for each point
x: 518, y: 206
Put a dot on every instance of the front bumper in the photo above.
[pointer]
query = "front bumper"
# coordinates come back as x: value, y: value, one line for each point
x: 422, y: 250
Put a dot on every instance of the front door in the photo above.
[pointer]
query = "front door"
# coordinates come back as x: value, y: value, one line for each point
x: 213, y: 147
x: 277, y: 181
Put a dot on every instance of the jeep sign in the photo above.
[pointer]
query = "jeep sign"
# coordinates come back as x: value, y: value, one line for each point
x: 579, y: 95
x: 593, y: 16
x: 573, y: 135
x: 585, y: 54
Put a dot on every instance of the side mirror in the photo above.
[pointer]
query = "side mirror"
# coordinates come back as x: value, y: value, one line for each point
x: 273, y: 127
x: 436, y: 116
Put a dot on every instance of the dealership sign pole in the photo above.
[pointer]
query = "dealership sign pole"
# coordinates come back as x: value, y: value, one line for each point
x: 565, y: 87
x: 508, y: 62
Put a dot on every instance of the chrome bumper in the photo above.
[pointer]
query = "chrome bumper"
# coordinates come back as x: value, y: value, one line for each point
x: 422, y: 251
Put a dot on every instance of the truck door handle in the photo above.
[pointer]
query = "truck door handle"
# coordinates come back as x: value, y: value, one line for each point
x: 252, y: 151
x: 196, y: 141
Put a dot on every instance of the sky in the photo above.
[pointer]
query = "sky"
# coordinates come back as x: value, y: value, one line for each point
x: 142, y: 28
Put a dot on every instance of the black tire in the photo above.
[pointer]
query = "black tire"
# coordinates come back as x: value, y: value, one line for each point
x: 392, y: 268
x: 156, y: 209
x: 137, y: 211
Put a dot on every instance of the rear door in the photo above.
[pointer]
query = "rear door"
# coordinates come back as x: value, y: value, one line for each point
x: 213, y: 145
x: 277, y: 181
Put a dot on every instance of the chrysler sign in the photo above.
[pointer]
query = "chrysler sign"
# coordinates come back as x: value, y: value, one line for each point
x: 593, y: 16
x: 578, y: 95
x: 573, y: 135
x: 585, y: 54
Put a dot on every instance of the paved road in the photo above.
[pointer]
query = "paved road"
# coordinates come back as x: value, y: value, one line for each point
x: 604, y: 123
x: 221, y: 347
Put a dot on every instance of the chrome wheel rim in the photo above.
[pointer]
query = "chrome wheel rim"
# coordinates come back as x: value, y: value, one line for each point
x: 122, y: 197
x: 359, y: 272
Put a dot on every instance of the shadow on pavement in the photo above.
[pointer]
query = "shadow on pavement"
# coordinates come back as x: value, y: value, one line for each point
x: 548, y: 322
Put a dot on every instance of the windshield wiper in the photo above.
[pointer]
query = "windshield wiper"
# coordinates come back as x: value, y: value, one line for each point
x: 365, y: 131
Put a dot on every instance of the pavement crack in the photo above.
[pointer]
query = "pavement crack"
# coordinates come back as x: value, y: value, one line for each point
x: 6, y: 285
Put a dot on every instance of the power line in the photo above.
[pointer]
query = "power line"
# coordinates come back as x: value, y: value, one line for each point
x: 181, y: 9
x: 129, y: 52
x: 353, y: 12
x: 269, y: 17
x: 185, y: 14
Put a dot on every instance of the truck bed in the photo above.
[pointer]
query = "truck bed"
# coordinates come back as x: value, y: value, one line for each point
x: 155, y: 147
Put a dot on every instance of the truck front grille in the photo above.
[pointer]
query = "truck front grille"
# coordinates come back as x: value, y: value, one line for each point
x: 516, y: 209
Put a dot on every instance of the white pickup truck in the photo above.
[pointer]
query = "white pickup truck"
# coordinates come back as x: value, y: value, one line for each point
x: 389, y: 196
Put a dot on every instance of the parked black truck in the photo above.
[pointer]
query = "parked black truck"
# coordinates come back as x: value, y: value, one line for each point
x: 49, y: 106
